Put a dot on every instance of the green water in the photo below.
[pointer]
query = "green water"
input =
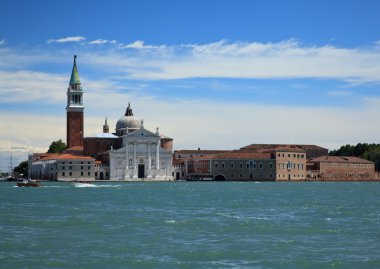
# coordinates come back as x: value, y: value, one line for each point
x: 191, y: 225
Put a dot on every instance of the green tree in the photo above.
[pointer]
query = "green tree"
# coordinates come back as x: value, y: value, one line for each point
x: 22, y: 169
x: 57, y: 146
x: 370, y: 152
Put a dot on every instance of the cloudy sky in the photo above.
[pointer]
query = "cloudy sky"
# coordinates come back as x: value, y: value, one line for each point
x: 211, y: 74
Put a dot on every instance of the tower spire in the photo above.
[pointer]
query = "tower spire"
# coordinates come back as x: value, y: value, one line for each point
x: 129, y: 110
x: 74, y: 73
x: 106, y: 128
x: 74, y: 109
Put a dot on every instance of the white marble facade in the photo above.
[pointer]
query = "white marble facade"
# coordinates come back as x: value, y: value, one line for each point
x: 141, y: 158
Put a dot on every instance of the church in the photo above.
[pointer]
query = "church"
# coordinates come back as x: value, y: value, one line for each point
x: 131, y: 153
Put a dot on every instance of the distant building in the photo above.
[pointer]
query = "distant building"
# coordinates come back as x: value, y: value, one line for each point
x: 312, y: 151
x: 64, y: 167
x: 340, y: 168
x: 282, y: 163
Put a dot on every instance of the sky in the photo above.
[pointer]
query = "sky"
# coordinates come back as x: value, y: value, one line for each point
x: 212, y: 74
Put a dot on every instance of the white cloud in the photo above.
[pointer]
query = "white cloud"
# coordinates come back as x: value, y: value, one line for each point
x: 67, y: 39
x: 28, y: 86
x: 99, y: 42
x: 247, y: 60
x: 2, y: 42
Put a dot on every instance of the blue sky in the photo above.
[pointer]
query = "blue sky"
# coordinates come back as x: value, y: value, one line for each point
x: 210, y: 74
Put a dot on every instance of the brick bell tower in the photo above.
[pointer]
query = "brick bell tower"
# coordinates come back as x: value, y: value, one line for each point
x: 74, y: 110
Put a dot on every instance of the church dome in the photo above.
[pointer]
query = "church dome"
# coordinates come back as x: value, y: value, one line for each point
x: 128, y: 121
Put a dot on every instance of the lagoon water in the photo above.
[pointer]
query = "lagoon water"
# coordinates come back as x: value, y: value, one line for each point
x: 191, y: 225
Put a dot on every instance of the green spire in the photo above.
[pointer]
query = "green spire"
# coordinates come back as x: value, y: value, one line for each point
x: 74, y: 74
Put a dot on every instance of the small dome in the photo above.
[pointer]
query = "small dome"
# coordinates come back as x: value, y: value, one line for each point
x: 128, y: 121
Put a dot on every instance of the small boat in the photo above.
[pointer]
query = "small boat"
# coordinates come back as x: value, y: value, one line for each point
x: 29, y: 183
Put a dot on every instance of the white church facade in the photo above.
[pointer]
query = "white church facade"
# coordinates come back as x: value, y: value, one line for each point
x: 141, y: 157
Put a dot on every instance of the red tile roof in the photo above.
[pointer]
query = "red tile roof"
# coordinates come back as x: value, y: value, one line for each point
x: 64, y: 156
x: 339, y: 159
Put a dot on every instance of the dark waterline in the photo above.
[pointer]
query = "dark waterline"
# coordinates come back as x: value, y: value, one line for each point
x: 191, y: 225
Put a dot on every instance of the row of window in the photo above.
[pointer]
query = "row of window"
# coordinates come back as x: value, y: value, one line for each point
x: 70, y: 174
x: 290, y: 155
x: 70, y: 168
x: 249, y: 165
x: 294, y: 176
x: 289, y: 165
x: 80, y: 162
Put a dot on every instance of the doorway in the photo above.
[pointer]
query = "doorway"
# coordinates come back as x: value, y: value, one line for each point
x: 141, y: 172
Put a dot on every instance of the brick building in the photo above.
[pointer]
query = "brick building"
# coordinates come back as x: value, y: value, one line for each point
x: 340, y: 168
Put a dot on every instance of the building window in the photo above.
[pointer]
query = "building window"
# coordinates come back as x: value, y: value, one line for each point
x: 63, y: 174
x: 81, y: 162
x: 70, y: 162
x: 232, y: 165
x: 152, y: 162
x: 81, y: 173
x: 241, y: 175
x: 70, y: 167
x: 232, y: 175
x: 279, y: 155
x: 247, y: 165
x: 288, y: 155
x: 81, y: 167
x: 222, y: 165
x: 271, y: 165
x: 96, y: 174
x: 190, y: 166
x: 63, y: 168
x: 294, y: 155
x: 270, y: 175
x: 88, y: 173
x: 216, y: 165
x: 261, y: 165
x: 63, y: 162
x: 241, y: 165
x: 251, y: 176
x: 70, y: 174
x: 261, y: 175
x: 89, y: 167
x: 106, y: 174
x: 88, y: 162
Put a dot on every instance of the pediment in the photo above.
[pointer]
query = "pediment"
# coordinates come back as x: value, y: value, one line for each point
x: 142, y: 133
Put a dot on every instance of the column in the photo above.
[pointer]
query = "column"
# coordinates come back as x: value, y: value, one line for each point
x: 149, y: 157
x: 126, y: 172
x: 134, y: 160
x: 158, y: 155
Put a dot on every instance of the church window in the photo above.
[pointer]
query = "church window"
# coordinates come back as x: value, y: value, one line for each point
x: 130, y: 162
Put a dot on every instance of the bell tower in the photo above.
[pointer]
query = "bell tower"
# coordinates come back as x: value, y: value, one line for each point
x: 74, y: 109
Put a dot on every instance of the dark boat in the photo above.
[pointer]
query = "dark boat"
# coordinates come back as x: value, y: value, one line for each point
x: 29, y: 183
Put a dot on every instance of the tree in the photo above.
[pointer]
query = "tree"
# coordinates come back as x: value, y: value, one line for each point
x: 370, y: 152
x: 57, y: 146
x: 22, y: 169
